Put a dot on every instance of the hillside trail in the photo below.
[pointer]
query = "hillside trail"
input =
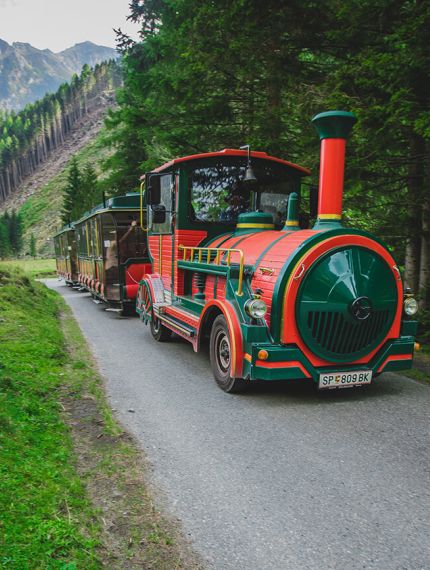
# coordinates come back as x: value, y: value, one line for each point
x: 80, y: 135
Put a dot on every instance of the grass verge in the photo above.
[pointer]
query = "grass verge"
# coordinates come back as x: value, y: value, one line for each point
x: 36, y: 268
x: 421, y: 367
x: 72, y: 488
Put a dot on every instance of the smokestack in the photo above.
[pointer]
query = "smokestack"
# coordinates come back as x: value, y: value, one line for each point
x: 333, y: 128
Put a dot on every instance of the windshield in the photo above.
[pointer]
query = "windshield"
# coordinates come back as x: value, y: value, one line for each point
x: 218, y: 193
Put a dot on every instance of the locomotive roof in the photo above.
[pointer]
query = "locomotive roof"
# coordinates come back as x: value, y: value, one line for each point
x: 232, y: 152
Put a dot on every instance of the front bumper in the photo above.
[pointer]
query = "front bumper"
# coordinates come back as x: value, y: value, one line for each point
x: 289, y: 362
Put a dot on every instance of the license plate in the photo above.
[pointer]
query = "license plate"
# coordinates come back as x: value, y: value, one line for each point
x: 345, y: 379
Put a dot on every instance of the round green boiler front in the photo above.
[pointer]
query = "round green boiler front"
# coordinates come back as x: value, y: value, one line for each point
x: 346, y: 304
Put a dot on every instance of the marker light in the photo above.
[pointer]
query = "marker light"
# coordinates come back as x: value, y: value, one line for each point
x: 256, y: 308
x: 410, y: 306
x: 262, y: 355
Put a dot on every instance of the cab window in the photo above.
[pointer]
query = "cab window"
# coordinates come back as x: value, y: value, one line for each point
x: 218, y: 192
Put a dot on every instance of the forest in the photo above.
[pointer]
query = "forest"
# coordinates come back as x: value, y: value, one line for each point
x: 11, y: 243
x: 210, y: 75
x: 28, y: 137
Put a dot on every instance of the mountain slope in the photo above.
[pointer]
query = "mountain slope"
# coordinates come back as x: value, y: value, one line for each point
x: 27, y: 73
x: 40, y: 199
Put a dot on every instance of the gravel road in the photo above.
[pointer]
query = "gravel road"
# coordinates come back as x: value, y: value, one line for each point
x: 283, y: 477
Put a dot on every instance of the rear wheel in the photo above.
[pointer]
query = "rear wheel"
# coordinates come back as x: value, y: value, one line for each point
x: 220, y: 355
x: 159, y: 331
x: 128, y: 310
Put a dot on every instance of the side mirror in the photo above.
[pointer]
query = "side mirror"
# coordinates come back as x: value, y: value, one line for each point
x: 158, y: 214
x: 154, y: 190
x: 313, y: 201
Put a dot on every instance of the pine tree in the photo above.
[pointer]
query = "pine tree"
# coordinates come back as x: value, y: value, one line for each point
x: 89, y: 188
x: 32, y: 245
x: 15, y: 233
x: 4, y: 237
x: 72, y: 194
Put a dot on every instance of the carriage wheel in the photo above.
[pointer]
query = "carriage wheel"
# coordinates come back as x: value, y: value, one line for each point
x: 220, y: 355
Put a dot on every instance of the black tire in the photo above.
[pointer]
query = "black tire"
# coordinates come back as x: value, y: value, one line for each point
x: 159, y: 331
x: 128, y: 310
x: 220, y: 355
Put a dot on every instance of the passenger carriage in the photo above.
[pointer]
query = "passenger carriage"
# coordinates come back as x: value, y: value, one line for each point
x: 277, y: 301
x: 66, y: 255
x: 112, y: 252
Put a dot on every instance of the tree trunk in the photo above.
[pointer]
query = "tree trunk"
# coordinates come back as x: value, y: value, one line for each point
x: 415, y: 194
x: 424, y: 275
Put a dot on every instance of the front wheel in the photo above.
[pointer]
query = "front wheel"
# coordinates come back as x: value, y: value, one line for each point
x: 220, y: 355
x: 159, y: 331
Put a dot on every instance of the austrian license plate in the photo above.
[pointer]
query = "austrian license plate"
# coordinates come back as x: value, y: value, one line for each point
x: 345, y: 379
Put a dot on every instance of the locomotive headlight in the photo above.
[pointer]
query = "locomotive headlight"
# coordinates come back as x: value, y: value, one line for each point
x: 256, y: 308
x: 410, y: 306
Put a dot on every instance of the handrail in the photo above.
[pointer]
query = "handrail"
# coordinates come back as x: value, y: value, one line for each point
x: 207, y: 251
x: 141, y: 206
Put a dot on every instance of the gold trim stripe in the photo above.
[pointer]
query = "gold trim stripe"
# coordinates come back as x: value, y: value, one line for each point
x: 256, y: 226
x: 329, y: 216
x: 292, y: 223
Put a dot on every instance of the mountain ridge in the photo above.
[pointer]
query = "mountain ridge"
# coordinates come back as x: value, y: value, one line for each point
x: 28, y: 73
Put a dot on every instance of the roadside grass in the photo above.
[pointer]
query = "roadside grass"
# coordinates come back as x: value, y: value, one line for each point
x: 73, y: 493
x: 421, y: 366
x: 37, y: 267
x: 46, y: 519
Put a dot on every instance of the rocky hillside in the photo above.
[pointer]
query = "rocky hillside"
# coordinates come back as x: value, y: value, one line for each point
x: 39, y: 199
x: 27, y: 73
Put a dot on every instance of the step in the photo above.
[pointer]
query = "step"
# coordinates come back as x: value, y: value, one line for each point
x: 179, y: 325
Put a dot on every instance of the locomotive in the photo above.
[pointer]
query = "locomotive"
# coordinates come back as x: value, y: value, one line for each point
x: 230, y: 263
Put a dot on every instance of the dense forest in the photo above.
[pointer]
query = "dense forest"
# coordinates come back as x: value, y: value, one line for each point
x: 209, y: 75
x: 28, y: 137
x: 11, y: 243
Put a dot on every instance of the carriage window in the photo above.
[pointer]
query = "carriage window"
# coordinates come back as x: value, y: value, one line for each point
x: 81, y: 237
x: 131, y: 237
x: 218, y: 193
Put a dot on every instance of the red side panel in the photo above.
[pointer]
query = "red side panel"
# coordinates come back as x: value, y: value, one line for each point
x: 187, y: 238
x: 221, y: 287
x: 166, y: 261
x: 209, y: 287
x: 153, y: 244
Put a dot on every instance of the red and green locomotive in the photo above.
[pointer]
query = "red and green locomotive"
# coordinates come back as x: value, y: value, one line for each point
x: 232, y: 264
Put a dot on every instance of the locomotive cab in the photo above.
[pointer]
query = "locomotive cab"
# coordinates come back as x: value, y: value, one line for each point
x: 230, y: 262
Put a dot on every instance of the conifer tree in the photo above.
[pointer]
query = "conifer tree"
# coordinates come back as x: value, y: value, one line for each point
x: 32, y: 245
x: 89, y: 187
x: 4, y: 238
x: 72, y: 194
x: 15, y: 233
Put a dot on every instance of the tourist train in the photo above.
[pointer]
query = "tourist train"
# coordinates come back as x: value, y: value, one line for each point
x: 226, y: 257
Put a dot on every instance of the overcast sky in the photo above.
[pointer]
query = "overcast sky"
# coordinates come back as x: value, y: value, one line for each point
x: 59, y: 24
